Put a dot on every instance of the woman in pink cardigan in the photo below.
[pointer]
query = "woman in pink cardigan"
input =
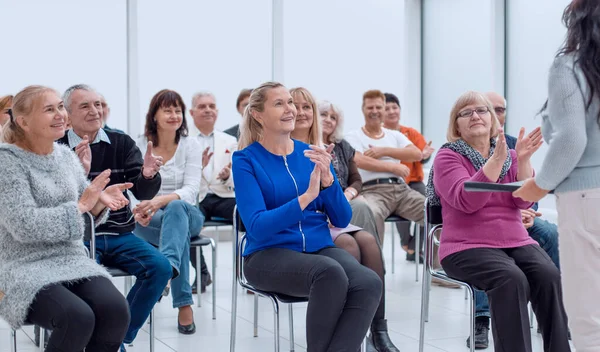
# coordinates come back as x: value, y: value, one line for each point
x: 483, y: 241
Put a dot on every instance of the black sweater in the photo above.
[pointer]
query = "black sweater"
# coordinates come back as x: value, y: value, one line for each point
x: 125, y: 161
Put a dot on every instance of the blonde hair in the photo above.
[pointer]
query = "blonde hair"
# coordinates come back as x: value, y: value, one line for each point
x: 470, y: 98
x: 23, y: 105
x: 315, y: 136
x: 338, y: 134
x: 250, y: 129
x: 6, y: 102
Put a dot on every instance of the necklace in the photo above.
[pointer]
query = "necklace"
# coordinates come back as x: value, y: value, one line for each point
x: 371, y: 135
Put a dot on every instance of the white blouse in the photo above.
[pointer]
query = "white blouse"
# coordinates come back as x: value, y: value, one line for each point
x: 182, y: 174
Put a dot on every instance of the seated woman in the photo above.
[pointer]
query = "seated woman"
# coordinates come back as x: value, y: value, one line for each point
x: 483, y: 241
x: 171, y: 219
x: 363, y: 245
x: 285, y: 191
x: 46, y: 276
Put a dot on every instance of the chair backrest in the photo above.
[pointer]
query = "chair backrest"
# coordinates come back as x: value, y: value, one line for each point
x: 239, y: 243
x: 433, y: 224
x: 89, y: 233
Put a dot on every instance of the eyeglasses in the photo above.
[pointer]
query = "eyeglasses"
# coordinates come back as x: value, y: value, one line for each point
x: 499, y: 110
x: 469, y: 112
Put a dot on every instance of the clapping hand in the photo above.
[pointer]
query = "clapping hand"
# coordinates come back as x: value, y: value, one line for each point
x: 225, y: 173
x: 501, y: 150
x: 113, y: 197
x: 526, y: 146
x: 91, y: 194
x: 152, y: 163
x: 322, y: 159
x: 84, y: 153
x: 427, y: 151
x: 206, y: 155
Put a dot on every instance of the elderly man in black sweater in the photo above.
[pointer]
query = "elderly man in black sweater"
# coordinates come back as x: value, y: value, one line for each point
x: 116, y: 245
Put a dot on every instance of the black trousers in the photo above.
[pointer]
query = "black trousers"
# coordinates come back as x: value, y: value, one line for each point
x: 212, y: 206
x: 343, y: 295
x: 404, y: 227
x: 90, y: 314
x: 511, y: 278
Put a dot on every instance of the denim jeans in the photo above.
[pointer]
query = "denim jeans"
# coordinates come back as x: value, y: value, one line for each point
x: 171, y: 229
x: 151, y: 269
x: 543, y: 232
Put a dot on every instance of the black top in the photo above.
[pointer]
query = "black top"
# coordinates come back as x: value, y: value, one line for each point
x: 125, y: 161
x: 234, y: 131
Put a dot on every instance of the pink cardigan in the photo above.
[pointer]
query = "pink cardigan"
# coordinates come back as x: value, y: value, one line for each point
x: 476, y: 219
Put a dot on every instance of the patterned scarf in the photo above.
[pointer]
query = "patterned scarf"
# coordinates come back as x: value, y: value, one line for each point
x: 461, y: 147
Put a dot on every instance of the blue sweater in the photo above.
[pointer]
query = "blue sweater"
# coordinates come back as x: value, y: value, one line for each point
x: 267, y: 190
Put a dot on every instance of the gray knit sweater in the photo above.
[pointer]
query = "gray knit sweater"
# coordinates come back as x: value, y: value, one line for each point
x: 41, y: 228
x: 573, y: 159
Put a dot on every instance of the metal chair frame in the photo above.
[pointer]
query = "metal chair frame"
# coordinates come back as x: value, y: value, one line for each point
x: 395, y: 219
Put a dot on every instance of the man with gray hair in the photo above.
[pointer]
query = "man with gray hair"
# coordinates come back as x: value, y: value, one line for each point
x: 216, y: 197
x: 116, y: 245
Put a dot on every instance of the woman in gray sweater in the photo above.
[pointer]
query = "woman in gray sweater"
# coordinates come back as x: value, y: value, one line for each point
x: 571, y: 127
x: 46, y: 277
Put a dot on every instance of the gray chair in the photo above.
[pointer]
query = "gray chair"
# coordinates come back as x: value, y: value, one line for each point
x: 239, y: 278
x: 394, y: 219
x: 433, y: 224
x: 13, y: 339
x: 197, y: 243
x: 90, y: 235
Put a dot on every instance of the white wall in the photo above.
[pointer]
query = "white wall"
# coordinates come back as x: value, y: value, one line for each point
x: 189, y: 46
x: 65, y: 42
x: 461, y: 52
x: 339, y: 49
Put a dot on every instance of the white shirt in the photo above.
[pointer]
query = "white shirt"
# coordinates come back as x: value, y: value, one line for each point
x: 360, y: 141
x: 207, y: 142
x: 181, y: 174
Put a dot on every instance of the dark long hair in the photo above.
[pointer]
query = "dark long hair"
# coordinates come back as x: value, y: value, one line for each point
x: 582, y: 19
x: 164, y: 99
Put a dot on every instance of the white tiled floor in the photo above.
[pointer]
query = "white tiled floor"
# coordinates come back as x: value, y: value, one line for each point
x: 446, y: 330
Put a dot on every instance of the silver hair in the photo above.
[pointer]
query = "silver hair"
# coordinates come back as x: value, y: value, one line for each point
x: 67, y: 94
x: 338, y: 134
x: 202, y: 94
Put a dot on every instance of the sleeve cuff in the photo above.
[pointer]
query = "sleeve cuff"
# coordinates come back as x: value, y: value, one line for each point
x: 75, y: 221
x: 543, y: 183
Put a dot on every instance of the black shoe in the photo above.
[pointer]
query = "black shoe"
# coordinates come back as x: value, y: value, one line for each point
x: 481, y: 338
x: 186, y: 329
x: 194, y: 288
x: 380, y: 337
x: 412, y: 258
x: 205, y: 280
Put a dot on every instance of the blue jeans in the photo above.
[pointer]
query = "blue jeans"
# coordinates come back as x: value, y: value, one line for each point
x: 546, y: 235
x: 171, y: 229
x: 151, y: 269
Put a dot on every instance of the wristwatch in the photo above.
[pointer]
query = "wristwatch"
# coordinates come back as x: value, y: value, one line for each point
x: 352, y: 192
x: 329, y: 185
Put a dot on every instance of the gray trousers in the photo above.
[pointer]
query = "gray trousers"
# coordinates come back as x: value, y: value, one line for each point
x: 404, y: 227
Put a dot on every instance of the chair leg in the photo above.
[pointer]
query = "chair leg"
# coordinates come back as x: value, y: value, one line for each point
x: 217, y: 237
x: 393, y: 247
x: 151, y: 330
x: 198, y: 277
x: 363, y: 345
x: 214, y: 279
x: 13, y: 340
x: 234, y: 289
x: 276, y: 322
x: 424, y: 306
x: 417, y: 250
x: 43, y: 333
x: 428, y: 283
x: 291, y: 314
x: 472, y: 318
x: 255, y: 315
x: 530, y: 316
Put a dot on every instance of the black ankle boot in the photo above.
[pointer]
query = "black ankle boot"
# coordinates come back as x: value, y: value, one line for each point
x: 379, y: 335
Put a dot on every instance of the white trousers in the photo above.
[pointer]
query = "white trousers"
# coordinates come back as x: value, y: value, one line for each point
x: 579, y: 245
